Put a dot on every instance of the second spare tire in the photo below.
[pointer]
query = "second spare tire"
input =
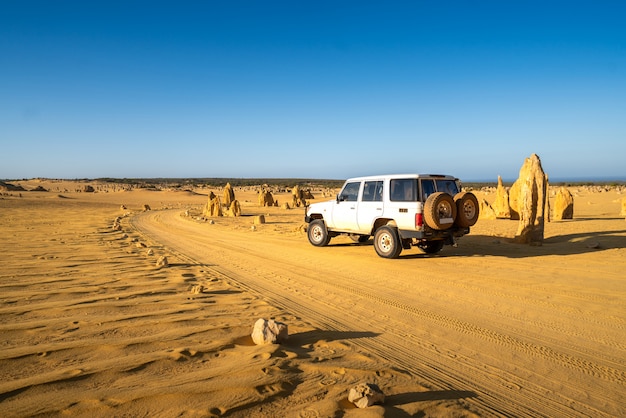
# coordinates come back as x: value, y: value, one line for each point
x: 466, y: 208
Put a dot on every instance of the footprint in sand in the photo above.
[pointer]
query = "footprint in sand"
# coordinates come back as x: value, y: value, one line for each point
x: 309, y: 413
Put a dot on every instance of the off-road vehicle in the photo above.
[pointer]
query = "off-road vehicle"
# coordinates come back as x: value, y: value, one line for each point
x: 399, y: 210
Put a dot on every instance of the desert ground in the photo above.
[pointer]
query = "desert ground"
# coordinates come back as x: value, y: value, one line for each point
x: 92, y: 326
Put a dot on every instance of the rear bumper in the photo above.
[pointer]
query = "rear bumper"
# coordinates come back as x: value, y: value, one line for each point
x: 431, y: 234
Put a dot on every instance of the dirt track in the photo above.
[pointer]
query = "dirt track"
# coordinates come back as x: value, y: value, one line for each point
x: 514, y: 330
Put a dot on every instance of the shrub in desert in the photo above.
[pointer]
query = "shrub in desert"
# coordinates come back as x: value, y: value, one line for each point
x: 563, y: 205
x: 532, y: 202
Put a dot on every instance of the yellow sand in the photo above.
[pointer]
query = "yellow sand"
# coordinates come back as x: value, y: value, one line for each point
x: 91, y: 327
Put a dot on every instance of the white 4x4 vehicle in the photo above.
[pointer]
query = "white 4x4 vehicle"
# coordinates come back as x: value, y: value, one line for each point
x: 399, y: 210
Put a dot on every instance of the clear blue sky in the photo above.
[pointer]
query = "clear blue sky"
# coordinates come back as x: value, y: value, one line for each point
x: 315, y: 89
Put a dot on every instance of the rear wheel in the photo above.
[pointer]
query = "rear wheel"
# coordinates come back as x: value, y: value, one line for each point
x: 318, y: 234
x: 439, y: 211
x: 387, y: 242
x: 431, y: 247
x: 466, y: 209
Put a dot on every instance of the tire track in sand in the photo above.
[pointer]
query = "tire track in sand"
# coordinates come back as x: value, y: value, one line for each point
x: 234, y: 262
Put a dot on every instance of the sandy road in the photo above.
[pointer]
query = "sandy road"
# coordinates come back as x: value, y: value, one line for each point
x: 516, y: 331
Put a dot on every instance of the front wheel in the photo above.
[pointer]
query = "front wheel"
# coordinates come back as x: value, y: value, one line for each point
x: 387, y: 242
x: 318, y: 234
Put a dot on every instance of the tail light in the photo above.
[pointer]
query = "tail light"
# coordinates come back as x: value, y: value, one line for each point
x: 419, y: 220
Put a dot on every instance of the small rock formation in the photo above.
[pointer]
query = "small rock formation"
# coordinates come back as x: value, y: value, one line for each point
x: 269, y: 332
x: 532, y: 202
x: 213, y: 206
x: 162, y: 262
x: 266, y: 198
x: 486, y: 211
x: 623, y: 212
x: 88, y: 189
x: 123, y: 207
x: 563, y: 205
x: 501, y: 205
x: 197, y: 289
x: 150, y: 252
x: 260, y: 219
x: 298, y: 197
x: 514, y: 196
x: 146, y: 208
x: 234, y: 209
x: 229, y: 195
x: 366, y: 394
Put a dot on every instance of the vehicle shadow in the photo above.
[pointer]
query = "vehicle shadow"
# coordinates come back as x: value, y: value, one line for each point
x: 312, y: 337
x: 489, y: 245
x: 569, y: 244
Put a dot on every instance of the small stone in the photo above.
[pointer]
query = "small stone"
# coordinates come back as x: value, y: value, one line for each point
x: 162, y: 262
x: 150, y: 252
x: 269, y: 332
x: 197, y: 289
x: 366, y: 394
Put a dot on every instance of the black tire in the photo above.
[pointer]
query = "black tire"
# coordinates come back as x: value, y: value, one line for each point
x: 359, y: 238
x: 440, y: 211
x: 467, y: 209
x: 431, y: 247
x: 387, y: 242
x: 318, y: 234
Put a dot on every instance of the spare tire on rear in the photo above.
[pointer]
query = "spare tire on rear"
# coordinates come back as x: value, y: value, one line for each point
x: 467, y: 209
x: 439, y: 211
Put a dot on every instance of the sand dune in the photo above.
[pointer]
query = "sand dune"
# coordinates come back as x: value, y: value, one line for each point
x: 92, y: 327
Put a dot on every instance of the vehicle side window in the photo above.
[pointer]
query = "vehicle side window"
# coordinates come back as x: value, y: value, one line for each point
x: 447, y: 186
x: 428, y: 188
x: 350, y: 192
x: 404, y: 190
x: 372, y: 191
